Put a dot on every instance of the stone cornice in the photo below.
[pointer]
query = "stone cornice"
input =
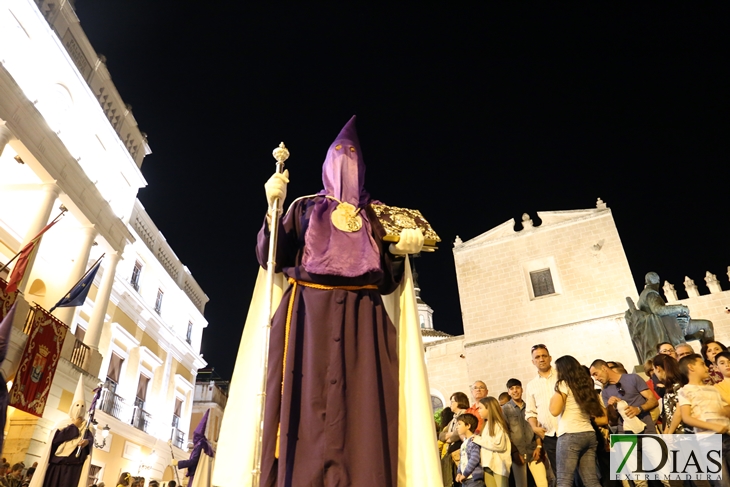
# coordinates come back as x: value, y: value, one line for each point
x: 50, y: 160
x: 551, y: 220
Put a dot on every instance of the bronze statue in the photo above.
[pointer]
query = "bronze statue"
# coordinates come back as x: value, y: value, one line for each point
x: 655, y: 322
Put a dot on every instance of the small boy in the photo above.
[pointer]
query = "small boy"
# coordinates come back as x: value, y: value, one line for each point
x: 470, y: 472
x: 504, y: 398
x: 702, y: 407
x: 722, y: 360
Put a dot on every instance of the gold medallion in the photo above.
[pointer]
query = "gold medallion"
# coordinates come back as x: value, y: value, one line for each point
x: 345, y: 217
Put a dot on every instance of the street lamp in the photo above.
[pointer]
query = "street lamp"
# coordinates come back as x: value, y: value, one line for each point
x: 150, y: 460
x: 104, y: 436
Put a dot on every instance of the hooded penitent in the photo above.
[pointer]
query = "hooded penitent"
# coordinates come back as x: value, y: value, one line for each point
x: 345, y: 403
x: 200, y: 456
x: 338, y: 241
x: 63, y: 463
x: 199, y: 435
x: 6, y: 326
x: 78, y: 406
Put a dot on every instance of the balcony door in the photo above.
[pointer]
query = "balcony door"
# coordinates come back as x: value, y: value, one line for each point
x: 142, y: 387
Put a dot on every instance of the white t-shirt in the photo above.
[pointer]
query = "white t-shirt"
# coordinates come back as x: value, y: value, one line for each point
x: 573, y: 419
x: 706, y: 403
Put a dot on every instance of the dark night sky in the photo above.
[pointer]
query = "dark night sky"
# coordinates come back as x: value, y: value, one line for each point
x: 472, y: 114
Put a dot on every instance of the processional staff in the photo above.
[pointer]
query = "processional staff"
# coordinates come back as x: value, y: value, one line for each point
x: 281, y: 154
x: 172, y: 455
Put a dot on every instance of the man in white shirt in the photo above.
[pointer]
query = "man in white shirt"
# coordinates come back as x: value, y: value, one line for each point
x: 537, y: 396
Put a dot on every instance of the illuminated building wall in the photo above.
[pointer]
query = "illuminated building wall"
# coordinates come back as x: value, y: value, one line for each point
x: 67, y: 138
x: 564, y: 284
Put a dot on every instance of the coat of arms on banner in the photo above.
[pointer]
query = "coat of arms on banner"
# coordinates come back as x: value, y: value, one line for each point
x: 38, y: 363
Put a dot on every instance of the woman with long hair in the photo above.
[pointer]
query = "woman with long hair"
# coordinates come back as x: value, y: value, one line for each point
x: 709, y: 352
x: 575, y: 403
x: 495, y: 443
x: 667, y: 370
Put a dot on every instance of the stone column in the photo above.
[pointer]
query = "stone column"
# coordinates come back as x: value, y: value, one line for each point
x: 49, y: 195
x: 96, y: 322
x: 78, y: 270
x: 5, y: 136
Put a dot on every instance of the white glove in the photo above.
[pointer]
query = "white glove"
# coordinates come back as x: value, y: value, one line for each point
x: 174, y: 462
x: 275, y: 188
x: 411, y: 242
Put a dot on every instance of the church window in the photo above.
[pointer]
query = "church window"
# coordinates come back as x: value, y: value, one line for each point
x: 542, y: 283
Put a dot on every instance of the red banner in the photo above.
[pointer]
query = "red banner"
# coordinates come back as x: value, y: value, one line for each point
x: 6, y: 300
x: 38, y: 364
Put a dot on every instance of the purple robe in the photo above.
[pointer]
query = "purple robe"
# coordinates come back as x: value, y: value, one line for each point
x: 338, y: 412
x: 200, y: 445
x: 66, y: 471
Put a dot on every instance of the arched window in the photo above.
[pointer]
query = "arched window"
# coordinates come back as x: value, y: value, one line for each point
x: 37, y: 288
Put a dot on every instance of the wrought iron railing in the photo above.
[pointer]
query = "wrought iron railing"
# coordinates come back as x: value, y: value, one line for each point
x: 80, y: 354
x: 113, y: 404
x: 178, y: 438
x: 141, y: 419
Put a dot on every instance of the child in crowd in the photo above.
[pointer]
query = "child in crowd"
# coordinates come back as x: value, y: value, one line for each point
x: 470, y: 472
x: 496, y: 448
x: 504, y: 398
x: 702, y: 407
x: 722, y: 363
x: 667, y: 371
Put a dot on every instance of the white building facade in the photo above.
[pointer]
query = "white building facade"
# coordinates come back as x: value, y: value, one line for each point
x: 67, y: 139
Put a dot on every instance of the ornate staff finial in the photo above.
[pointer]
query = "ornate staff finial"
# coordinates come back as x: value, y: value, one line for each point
x: 281, y: 153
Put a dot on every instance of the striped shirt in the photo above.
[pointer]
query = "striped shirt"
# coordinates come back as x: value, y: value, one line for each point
x: 538, y: 393
x: 470, y: 461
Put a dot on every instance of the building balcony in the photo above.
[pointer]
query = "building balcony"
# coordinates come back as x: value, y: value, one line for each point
x: 141, y: 419
x: 215, y: 392
x: 114, y: 405
x: 178, y: 438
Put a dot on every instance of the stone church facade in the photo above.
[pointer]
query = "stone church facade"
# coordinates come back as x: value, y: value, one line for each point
x: 562, y: 284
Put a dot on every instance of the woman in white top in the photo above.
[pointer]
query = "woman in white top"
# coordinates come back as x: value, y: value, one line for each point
x: 496, y: 446
x: 575, y: 403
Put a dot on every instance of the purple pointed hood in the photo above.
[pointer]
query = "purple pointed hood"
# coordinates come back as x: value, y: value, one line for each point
x: 200, y: 429
x: 329, y: 250
x: 6, y: 326
x: 199, y: 439
x: 343, y: 171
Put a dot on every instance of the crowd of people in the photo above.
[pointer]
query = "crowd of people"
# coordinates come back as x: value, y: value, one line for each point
x: 557, y: 428
x: 20, y: 476
x: 128, y: 480
x: 17, y: 475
